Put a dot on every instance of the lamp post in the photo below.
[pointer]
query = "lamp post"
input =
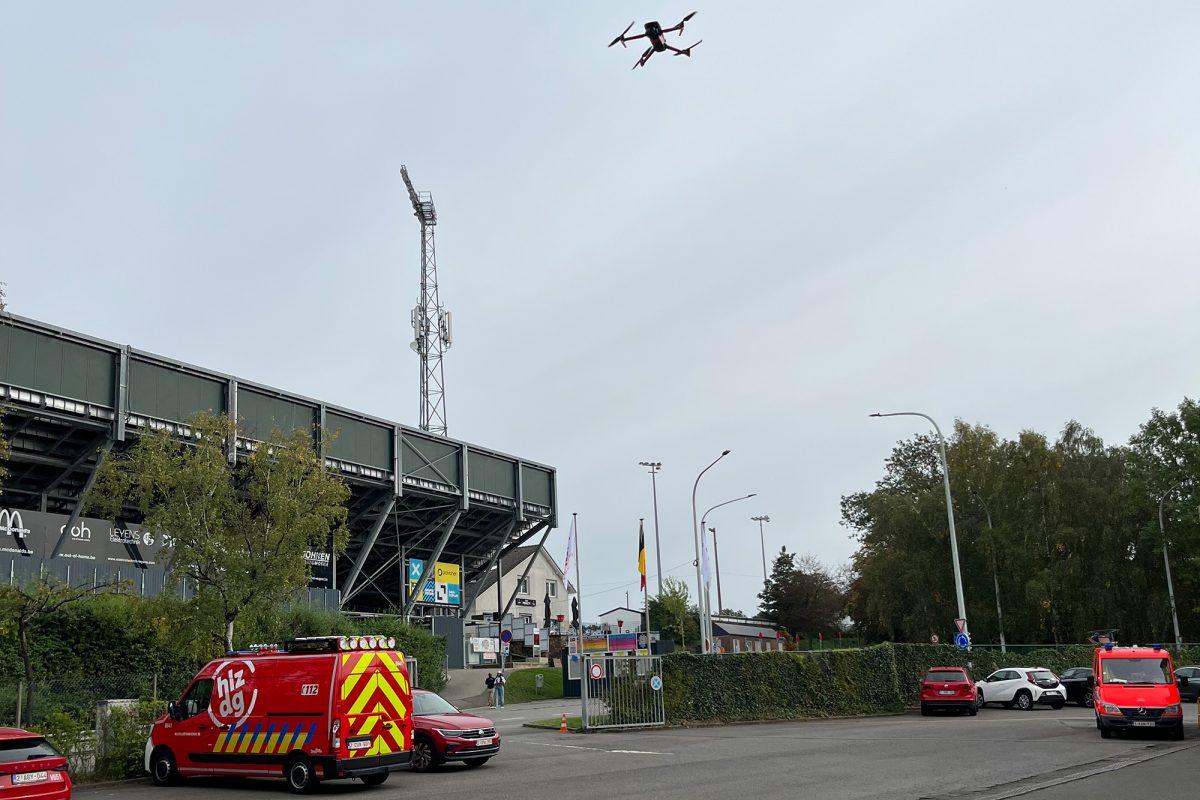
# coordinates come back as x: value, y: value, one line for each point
x: 995, y: 571
x: 654, y: 467
x: 717, y: 559
x: 762, y: 542
x: 696, y: 531
x: 1162, y: 532
x: 706, y: 613
x: 958, y: 589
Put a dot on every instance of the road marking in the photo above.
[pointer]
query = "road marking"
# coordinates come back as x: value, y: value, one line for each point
x: 596, y: 749
x: 509, y: 719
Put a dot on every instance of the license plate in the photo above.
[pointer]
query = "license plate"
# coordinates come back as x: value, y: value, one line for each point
x: 947, y: 691
x: 483, y: 742
x: 30, y: 777
x: 358, y: 744
x: 1143, y: 724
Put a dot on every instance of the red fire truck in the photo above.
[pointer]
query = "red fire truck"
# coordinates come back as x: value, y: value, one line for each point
x: 309, y: 710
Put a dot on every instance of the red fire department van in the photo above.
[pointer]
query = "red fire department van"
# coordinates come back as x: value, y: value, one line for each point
x: 310, y: 710
x: 1133, y: 688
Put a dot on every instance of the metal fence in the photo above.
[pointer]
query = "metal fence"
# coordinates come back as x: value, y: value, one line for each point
x: 623, y: 691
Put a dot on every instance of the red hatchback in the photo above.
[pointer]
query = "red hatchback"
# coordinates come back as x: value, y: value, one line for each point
x: 30, y: 768
x: 948, y: 687
x: 442, y: 733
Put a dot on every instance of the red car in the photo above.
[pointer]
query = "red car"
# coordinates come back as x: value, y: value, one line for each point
x: 948, y: 687
x: 442, y: 733
x: 30, y: 768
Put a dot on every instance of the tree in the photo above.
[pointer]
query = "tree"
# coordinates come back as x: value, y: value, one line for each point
x: 673, y: 616
x: 238, y: 534
x: 801, y: 596
x: 22, y: 606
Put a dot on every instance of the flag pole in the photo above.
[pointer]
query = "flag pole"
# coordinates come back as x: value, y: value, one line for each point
x: 583, y: 676
x: 645, y: 583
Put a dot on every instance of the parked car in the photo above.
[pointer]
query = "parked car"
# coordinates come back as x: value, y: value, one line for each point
x: 1192, y: 690
x: 1075, y: 682
x: 1136, y: 687
x: 1022, y: 687
x: 30, y: 767
x: 442, y: 733
x: 948, y: 688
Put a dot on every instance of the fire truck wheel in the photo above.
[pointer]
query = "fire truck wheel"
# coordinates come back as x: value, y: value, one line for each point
x: 162, y: 768
x: 300, y: 777
x: 376, y: 779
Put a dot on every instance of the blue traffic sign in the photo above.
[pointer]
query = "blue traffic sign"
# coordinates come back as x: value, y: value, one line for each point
x: 506, y: 636
x: 962, y: 641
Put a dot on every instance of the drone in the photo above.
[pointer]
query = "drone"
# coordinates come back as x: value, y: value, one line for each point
x: 656, y: 33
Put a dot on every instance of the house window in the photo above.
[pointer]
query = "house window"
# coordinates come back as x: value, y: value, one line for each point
x: 523, y: 585
x: 552, y: 588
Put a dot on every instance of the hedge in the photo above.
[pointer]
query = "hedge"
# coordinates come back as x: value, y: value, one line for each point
x: 793, y: 685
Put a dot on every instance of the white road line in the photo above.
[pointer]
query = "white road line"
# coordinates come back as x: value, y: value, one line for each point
x: 509, y: 719
x: 597, y: 749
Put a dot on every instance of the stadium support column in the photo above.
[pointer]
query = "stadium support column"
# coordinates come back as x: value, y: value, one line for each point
x: 356, y: 568
x: 431, y: 564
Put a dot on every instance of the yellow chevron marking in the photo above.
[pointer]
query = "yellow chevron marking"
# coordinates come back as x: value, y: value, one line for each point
x: 395, y: 669
x: 220, y: 746
x: 397, y: 708
x: 368, y: 725
x: 366, y: 693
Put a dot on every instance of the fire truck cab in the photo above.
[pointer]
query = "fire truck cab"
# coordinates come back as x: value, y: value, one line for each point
x: 310, y: 710
x: 1135, y: 687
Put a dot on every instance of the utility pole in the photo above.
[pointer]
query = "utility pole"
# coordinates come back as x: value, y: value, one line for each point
x: 432, y: 329
x: 717, y: 559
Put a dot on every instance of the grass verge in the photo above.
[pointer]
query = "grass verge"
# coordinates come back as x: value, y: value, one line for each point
x: 521, y: 685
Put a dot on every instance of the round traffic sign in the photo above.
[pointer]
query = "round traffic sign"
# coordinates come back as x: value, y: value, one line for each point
x: 506, y: 636
x: 655, y: 682
x: 597, y: 672
x: 962, y: 641
x: 934, y: 639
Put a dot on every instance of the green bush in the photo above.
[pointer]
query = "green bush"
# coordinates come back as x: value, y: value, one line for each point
x: 121, y: 740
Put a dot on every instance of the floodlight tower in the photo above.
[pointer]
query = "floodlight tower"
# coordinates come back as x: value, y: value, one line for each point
x: 432, y: 330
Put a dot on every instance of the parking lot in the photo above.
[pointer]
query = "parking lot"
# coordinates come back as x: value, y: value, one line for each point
x: 1044, y: 754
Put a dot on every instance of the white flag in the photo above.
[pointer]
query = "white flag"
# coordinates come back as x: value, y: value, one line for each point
x: 572, y: 550
x: 705, y: 570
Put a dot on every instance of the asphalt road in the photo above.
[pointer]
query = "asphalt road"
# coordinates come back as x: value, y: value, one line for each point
x: 1041, y: 754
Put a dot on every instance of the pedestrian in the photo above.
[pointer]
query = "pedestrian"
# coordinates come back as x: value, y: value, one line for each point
x: 490, y: 682
x: 500, y: 681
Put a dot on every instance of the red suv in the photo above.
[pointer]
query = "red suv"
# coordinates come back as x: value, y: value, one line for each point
x: 442, y: 733
x: 30, y: 768
x: 948, y: 687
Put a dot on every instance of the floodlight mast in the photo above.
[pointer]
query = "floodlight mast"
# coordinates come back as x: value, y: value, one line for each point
x: 432, y: 331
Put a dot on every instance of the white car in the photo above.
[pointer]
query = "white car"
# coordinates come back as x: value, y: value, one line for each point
x: 1022, y: 687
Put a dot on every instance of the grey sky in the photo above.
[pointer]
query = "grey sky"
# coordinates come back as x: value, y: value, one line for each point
x: 831, y: 209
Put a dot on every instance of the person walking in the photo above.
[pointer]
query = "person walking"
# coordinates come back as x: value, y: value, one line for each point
x: 490, y: 683
x: 500, y: 681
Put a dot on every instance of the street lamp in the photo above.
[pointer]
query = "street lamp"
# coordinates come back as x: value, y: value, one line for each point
x: 654, y: 467
x: 958, y: 589
x: 696, y: 532
x: 707, y: 613
x: 762, y: 542
x: 1167, y: 563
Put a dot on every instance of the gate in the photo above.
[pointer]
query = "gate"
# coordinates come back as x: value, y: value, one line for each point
x: 622, y: 691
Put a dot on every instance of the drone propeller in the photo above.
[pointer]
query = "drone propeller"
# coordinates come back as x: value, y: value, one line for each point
x: 687, y: 51
x: 621, y: 38
x: 683, y: 22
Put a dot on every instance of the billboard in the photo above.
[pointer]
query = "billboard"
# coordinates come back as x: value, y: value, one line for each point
x: 444, y: 587
x: 109, y: 547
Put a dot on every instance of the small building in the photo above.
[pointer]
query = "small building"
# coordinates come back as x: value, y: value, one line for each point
x: 545, y: 578
x: 621, y: 620
x: 737, y: 635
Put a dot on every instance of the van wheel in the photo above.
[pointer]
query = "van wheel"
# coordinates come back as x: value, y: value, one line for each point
x: 1105, y: 733
x: 162, y: 768
x: 1024, y: 701
x: 300, y: 776
x: 375, y: 779
x: 1177, y: 733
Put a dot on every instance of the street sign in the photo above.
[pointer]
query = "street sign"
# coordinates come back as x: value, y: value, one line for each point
x: 960, y: 624
x: 506, y: 637
x: 934, y: 639
x: 655, y: 683
x: 597, y: 672
x: 962, y: 641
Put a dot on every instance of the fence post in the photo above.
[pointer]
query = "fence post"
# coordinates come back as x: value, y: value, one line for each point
x: 20, y: 700
x: 154, y: 688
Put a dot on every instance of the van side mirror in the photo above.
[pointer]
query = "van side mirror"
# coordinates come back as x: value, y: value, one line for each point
x: 1091, y: 681
x: 172, y: 710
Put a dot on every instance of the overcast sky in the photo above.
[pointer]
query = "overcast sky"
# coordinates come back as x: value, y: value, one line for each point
x: 985, y: 211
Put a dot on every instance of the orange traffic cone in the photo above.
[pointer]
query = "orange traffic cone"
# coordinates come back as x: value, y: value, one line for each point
x: 562, y: 726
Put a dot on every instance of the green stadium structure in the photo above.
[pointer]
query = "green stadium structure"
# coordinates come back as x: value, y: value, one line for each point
x: 417, y: 499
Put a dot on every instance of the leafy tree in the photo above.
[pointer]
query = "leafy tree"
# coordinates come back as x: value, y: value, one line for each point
x: 673, y: 615
x: 23, y: 606
x: 238, y: 533
x: 801, y: 596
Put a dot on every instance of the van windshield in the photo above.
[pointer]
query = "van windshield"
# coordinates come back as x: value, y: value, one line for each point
x: 1143, y: 671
